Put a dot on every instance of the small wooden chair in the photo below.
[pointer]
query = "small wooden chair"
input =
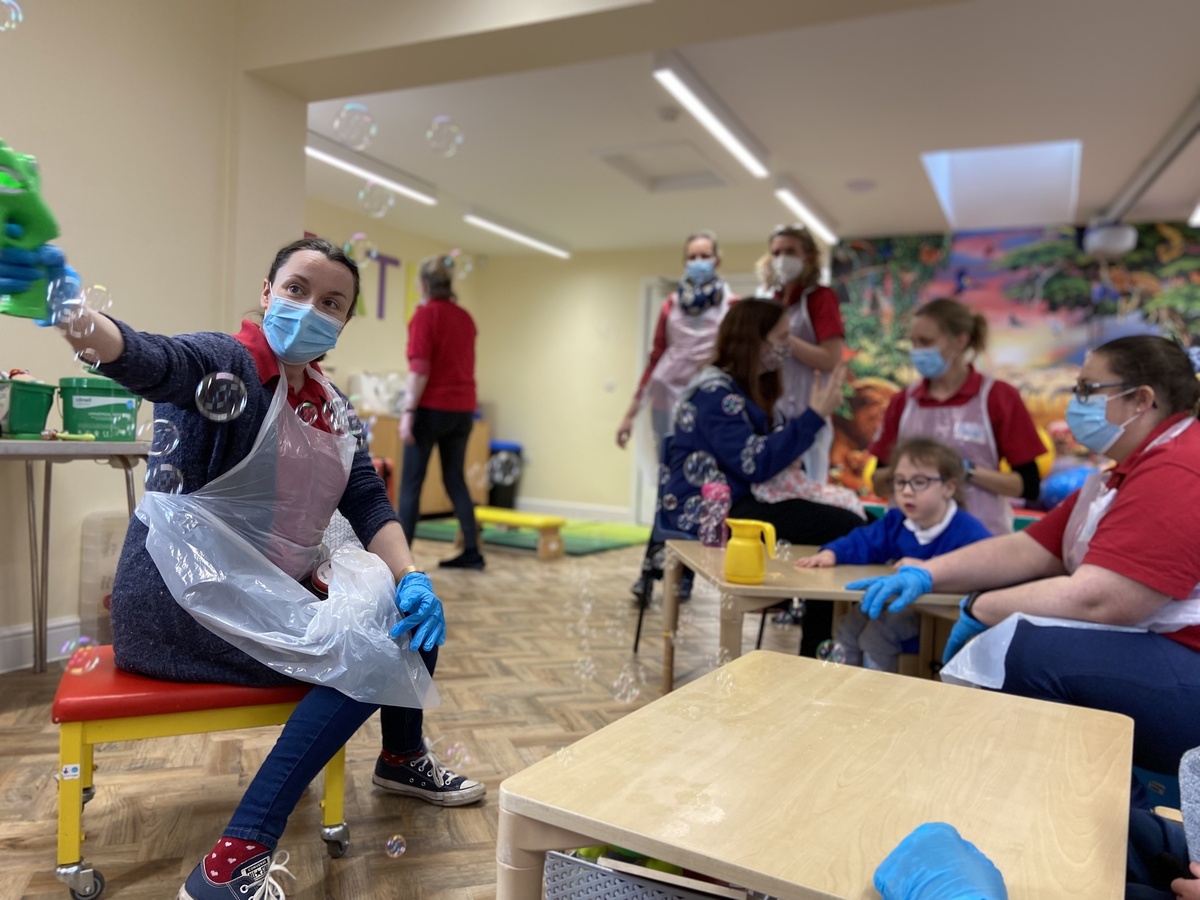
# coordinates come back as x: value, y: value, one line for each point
x: 101, y: 703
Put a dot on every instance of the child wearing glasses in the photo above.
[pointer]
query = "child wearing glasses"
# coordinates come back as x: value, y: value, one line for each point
x: 927, y: 521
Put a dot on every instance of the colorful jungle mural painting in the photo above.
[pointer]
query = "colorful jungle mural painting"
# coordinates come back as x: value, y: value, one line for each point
x: 1047, y: 303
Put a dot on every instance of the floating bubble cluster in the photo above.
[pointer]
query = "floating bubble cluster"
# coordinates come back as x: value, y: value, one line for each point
x: 221, y: 396
x: 354, y: 126
x: 395, y: 846
x: 444, y: 136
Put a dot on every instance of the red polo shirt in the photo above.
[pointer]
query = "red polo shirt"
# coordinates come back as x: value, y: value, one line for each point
x: 441, y: 344
x: 1016, y: 436
x: 252, y: 338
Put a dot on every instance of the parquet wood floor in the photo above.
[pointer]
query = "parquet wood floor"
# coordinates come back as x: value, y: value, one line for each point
x: 511, y: 695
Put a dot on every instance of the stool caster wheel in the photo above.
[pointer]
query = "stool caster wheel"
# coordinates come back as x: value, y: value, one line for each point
x: 97, y: 888
x: 337, y: 839
x: 88, y: 793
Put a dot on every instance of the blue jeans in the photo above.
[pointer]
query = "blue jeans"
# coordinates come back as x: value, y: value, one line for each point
x: 1150, y: 678
x: 321, y: 723
x: 1157, y: 853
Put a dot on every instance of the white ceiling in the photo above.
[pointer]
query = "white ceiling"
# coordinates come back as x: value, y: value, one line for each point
x: 585, y: 156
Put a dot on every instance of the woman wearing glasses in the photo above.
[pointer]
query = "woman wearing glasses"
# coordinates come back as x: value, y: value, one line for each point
x: 928, y: 522
x: 1098, y: 603
x: 982, y: 418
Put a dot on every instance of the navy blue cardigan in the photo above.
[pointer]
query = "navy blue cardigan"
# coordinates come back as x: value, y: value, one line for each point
x: 152, y: 634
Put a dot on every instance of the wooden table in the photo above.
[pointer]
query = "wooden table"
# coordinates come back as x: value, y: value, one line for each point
x: 797, y: 778
x: 783, y: 581
x: 122, y: 455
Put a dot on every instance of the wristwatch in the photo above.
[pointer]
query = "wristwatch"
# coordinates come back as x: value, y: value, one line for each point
x: 969, y: 603
x: 968, y: 470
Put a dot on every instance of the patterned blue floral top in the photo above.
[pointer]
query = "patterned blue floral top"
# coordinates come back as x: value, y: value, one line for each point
x: 721, y: 435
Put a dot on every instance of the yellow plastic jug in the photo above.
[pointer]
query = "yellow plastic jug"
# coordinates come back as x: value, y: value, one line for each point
x: 745, y: 562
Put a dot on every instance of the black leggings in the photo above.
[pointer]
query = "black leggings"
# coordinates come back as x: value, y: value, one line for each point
x: 804, y: 522
x: 449, y: 431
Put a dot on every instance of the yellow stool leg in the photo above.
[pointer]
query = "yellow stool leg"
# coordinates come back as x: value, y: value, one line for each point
x: 71, y: 754
x: 333, y: 799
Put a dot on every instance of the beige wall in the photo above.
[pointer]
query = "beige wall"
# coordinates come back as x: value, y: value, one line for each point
x: 147, y: 143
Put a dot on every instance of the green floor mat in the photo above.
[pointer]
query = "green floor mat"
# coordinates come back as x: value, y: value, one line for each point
x: 579, y: 537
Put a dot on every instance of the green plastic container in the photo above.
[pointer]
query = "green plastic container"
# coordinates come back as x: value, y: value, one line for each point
x: 24, y: 406
x: 99, y: 406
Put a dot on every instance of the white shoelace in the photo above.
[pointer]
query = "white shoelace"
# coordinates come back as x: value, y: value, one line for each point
x: 271, y: 889
x: 441, y: 775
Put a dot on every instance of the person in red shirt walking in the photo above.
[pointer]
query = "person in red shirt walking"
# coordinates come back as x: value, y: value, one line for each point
x: 439, y: 406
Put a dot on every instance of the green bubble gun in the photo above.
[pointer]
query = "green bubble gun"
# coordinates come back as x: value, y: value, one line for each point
x: 21, y: 204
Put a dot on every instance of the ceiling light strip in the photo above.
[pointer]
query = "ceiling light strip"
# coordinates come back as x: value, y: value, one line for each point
x: 789, y: 195
x: 513, y: 235
x: 337, y: 162
x: 683, y: 84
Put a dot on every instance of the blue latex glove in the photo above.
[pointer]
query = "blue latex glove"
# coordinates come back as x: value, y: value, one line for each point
x: 964, y: 629
x: 909, y: 583
x: 422, y: 612
x: 935, y: 863
x: 19, y: 269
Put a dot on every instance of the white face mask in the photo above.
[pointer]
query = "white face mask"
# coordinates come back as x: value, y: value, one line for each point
x: 787, y: 268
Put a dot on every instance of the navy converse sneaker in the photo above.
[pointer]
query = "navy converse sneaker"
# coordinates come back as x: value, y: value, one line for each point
x: 423, y: 776
x: 252, y: 880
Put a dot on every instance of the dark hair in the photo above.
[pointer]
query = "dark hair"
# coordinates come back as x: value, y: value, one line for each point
x: 1155, y: 361
x: 436, y: 274
x: 812, y: 271
x: 739, y: 350
x: 327, y: 249
x: 928, y: 452
x: 955, y: 319
x: 702, y: 234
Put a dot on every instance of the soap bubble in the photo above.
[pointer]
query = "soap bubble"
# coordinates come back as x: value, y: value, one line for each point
x: 161, y: 434
x: 477, y: 478
x: 724, y: 681
x: 307, y: 413
x: 565, y: 756
x: 88, y: 358
x: 361, y: 249
x: 62, y: 298
x: 221, y: 396
x: 626, y: 687
x: 395, y: 846
x: 77, y: 320
x: 354, y: 126
x: 726, y: 601
x: 783, y: 550
x: 336, y: 416
x: 74, y: 644
x: 376, y: 200
x: 10, y: 15
x: 457, y: 755
x: 718, y: 659
x: 164, y: 478
x: 84, y: 658
x: 444, y: 136
x: 96, y: 298
x: 831, y: 652
x: 585, y: 668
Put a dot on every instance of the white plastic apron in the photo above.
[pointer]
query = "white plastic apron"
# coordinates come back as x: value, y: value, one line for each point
x: 968, y: 430
x: 981, y: 661
x: 797, y: 387
x: 231, y: 554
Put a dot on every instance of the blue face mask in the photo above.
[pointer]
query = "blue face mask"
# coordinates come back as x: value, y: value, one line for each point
x: 1088, y: 421
x: 928, y: 361
x: 299, y: 332
x: 700, y: 271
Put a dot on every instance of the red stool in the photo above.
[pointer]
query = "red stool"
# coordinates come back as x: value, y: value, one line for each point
x: 101, y: 703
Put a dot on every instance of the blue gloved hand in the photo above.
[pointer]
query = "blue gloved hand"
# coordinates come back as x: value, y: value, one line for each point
x: 19, y: 269
x: 964, y: 629
x: 422, y: 612
x: 935, y: 863
x: 909, y: 583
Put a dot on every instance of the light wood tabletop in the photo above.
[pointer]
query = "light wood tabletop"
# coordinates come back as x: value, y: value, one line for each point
x: 783, y: 581
x: 797, y: 778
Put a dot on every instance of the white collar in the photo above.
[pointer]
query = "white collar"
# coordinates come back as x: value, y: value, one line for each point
x: 930, y: 534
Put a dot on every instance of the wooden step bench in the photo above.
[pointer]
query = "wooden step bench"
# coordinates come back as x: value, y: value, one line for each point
x: 550, y: 542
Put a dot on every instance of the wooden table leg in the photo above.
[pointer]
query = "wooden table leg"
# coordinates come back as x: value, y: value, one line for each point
x: 521, y: 845
x: 731, y: 628
x: 925, y: 646
x: 672, y: 574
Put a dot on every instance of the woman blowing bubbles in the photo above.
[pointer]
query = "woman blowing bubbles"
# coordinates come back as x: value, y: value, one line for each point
x: 307, y: 469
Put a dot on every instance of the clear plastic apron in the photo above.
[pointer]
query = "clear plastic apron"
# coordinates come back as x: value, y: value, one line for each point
x: 981, y: 661
x: 968, y: 430
x: 231, y: 554
x: 797, y: 387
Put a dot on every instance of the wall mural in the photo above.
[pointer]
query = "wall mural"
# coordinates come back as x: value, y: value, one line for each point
x: 1047, y: 303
